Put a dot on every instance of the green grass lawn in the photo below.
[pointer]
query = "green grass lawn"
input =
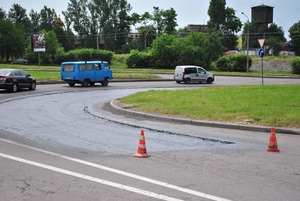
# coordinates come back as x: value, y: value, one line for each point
x: 268, y: 105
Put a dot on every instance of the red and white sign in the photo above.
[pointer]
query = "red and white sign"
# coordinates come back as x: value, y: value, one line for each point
x: 261, y: 42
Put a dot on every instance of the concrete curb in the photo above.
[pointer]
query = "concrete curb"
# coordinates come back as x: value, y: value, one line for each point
x: 129, y: 112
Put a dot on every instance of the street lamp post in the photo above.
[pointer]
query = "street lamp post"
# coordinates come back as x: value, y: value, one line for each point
x: 145, y: 40
x: 247, y: 67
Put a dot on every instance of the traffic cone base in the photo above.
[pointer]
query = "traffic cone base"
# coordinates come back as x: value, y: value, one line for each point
x: 273, y: 142
x: 141, y: 153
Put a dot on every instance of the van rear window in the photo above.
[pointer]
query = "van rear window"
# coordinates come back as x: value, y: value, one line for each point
x: 83, y: 67
x: 68, y: 67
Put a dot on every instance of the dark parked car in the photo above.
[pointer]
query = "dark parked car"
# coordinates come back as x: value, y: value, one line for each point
x: 15, y: 79
x: 20, y: 61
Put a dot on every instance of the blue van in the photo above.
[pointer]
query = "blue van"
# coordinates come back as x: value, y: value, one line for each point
x: 86, y: 72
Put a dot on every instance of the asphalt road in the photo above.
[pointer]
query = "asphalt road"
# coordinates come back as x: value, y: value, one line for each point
x: 58, y: 143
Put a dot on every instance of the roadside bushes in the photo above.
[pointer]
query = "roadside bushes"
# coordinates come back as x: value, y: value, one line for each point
x: 88, y: 55
x: 296, y: 65
x: 85, y: 54
x: 233, y: 63
x: 137, y: 59
x: 73, y: 55
x: 167, y: 51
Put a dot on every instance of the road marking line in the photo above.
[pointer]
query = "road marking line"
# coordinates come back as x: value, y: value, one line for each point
x: 89, y: 178
x: 163, y: 184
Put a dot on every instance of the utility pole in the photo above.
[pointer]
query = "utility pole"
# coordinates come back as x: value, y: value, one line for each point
x: 247, y: 67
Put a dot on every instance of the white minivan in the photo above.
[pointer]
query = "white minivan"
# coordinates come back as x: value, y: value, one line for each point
x: 189, y: 74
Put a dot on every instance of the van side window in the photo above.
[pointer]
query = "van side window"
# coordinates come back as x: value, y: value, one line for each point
x: 193, y: 70
x: 98, y: 67
x: 106, y: 66
x: 68, y: 67
x: 190, y: 70
x: 83, y: 67
x: 201, y: 71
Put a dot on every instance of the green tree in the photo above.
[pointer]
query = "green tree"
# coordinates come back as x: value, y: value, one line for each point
x: 147, y: 35
x: 277, y: 32
x: 78, y: 16
x: 146, y: 19
x: 214, y: 46
x: 2, y: 14
x: 257, y: 31
x: 47, y: 19
x: 229, y: 28
x: 217, y: 13
x: 165, y: 20
x: 275, y: 45
x: 68, y: 40
x: 134, y: 19
x: 295, y: 37
x: 223, y: 19
x: 191, y: 49
x: 35, y: 20
x: 12, y: 40
x: 170, y: 21
x: 160, y: 22
x: 164, y: 52
x: 17, y: 14
x: 123, y: 26
x: 105, y: 21
x: 52, y: 46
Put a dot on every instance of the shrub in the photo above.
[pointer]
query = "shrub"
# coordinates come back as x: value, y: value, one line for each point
x: 32, y: 57
x: 240, y: 62
x: 234, y: 62
x: 88, y: 55
x: 104, y: 55
x: 224, y: 63
x: 296, y: 65
x: 137, y: 59
x: 120, y: 58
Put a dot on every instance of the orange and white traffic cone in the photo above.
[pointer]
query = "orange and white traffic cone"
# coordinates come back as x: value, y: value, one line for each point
x: 142, y: 152
x: 273, y: 142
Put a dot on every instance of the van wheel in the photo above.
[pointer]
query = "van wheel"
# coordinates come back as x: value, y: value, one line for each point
x: 209, y: 80
x: 71, y: 84
x: 104, y: 82
x: 92, y: 83
x: 187, y: 81
x: 85, y: 83
x: 178, y: 82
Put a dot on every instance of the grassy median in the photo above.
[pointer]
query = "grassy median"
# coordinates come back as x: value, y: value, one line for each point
x: 267, y: 105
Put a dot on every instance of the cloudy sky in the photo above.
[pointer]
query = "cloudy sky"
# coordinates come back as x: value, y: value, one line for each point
x: 286, y: 13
